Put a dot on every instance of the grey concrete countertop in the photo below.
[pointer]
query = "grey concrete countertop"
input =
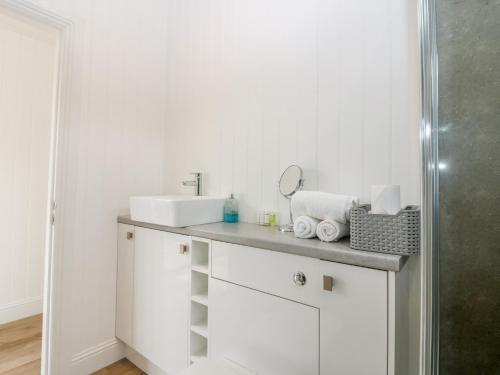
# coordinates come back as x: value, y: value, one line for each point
x: 272, y: 239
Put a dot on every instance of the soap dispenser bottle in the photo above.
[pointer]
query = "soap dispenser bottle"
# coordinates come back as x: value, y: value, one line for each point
x: 231, y: 214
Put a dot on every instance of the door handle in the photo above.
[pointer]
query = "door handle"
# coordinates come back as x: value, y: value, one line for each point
x: 183, y: 248
x: 328, y: 282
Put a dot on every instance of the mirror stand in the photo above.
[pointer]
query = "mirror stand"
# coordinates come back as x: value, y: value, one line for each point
x: 288, y: 227
x: 290, y: 182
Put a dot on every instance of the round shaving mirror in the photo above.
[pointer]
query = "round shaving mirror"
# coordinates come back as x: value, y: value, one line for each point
x: 290, y: 182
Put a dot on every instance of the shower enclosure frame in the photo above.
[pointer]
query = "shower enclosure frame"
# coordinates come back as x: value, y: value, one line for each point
x: 429, y: 324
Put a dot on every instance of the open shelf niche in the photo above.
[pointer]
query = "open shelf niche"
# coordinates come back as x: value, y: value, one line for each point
x: 200, y: 271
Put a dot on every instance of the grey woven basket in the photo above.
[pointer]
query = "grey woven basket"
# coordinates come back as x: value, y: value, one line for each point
x: 393, y: 234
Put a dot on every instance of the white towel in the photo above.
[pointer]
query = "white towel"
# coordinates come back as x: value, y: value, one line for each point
x: 323, y: 206
x: 305, y: 227
x: 331, y: 230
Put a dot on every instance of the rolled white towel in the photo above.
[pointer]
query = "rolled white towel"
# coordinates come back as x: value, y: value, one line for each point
x: 331, y: 230
x: 305, y: 227
x: 323, y: 206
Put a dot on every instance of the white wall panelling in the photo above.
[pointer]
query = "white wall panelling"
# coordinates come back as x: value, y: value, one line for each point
x: 21, y: 308
x: 237, y: 90
x: 114, y: 150
x: 333, y: 86
x: 27, y: 76
x: 256, y: 86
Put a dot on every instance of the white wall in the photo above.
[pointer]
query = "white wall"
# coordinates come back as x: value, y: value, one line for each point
x: 247, y: 88
x: 27, y: 67
x: 332, y: 85
x: 115, y: 143
x: 257, y: 85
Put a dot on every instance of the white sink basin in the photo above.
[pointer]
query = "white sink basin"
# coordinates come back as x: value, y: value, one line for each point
x: 177, y: 210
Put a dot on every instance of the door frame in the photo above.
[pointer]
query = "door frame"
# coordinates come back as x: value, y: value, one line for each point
x: 429, y: 317
x: 52, y: 311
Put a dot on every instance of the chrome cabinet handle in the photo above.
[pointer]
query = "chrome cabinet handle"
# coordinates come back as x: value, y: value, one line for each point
x: 299, y: 278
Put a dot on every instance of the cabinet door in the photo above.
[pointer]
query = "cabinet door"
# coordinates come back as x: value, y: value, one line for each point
x: 161, y: 299
x: 125, y: 283
x: 266, y: 334
x: 353, y: 321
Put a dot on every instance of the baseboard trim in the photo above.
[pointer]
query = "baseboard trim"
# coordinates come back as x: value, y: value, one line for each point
x: 16, y: 310
x: 97, y: 357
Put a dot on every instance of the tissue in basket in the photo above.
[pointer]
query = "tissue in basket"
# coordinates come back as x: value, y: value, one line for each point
x: 394, y: 234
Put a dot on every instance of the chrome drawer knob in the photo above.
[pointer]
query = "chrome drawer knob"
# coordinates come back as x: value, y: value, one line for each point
x: 299, y: 278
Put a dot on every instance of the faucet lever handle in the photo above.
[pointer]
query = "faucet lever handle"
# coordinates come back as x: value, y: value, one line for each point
x: 196, y: 183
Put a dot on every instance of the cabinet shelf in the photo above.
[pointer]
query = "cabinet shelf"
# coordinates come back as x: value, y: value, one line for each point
x: 199, y: 355
x: 199, y: 347
x: 200, y: 274
x: 201, y: 268
x: 201, y: 298
x: 201, y: 328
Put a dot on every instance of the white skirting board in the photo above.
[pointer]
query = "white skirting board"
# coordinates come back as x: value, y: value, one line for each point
x: 97, y: 357
x: 16, y: 310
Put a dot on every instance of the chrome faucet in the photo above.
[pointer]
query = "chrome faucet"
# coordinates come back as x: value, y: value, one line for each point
x: 196, y: 183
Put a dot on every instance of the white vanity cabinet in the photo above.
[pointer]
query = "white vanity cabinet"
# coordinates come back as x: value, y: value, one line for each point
x: 273, y: 313
x: 153, y: 296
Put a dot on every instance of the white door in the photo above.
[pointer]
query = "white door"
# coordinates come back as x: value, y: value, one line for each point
x: 161, y: 299
x: 353, y: 321
x: 266, y: 334
x: 125, y: 283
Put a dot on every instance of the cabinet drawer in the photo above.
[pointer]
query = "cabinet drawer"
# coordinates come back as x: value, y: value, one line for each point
x: 268, y: 271
x: 265, y: 334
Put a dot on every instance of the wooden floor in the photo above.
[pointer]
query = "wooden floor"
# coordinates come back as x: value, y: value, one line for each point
x: 122, y: 367
x: 20, y: 346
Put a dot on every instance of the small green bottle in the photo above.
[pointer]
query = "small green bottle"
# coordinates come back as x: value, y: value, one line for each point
x: 231, y: 214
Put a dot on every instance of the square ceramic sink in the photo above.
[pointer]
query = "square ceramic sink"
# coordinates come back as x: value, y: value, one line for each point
x: 177, y: 210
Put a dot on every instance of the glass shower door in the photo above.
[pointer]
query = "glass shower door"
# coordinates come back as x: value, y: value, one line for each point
x: 468, y: 244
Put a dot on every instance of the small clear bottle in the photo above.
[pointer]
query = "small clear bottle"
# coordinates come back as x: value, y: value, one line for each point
x: 231, y: 214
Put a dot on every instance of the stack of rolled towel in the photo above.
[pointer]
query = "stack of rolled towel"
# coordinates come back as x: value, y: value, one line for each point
x: 321, y: 215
